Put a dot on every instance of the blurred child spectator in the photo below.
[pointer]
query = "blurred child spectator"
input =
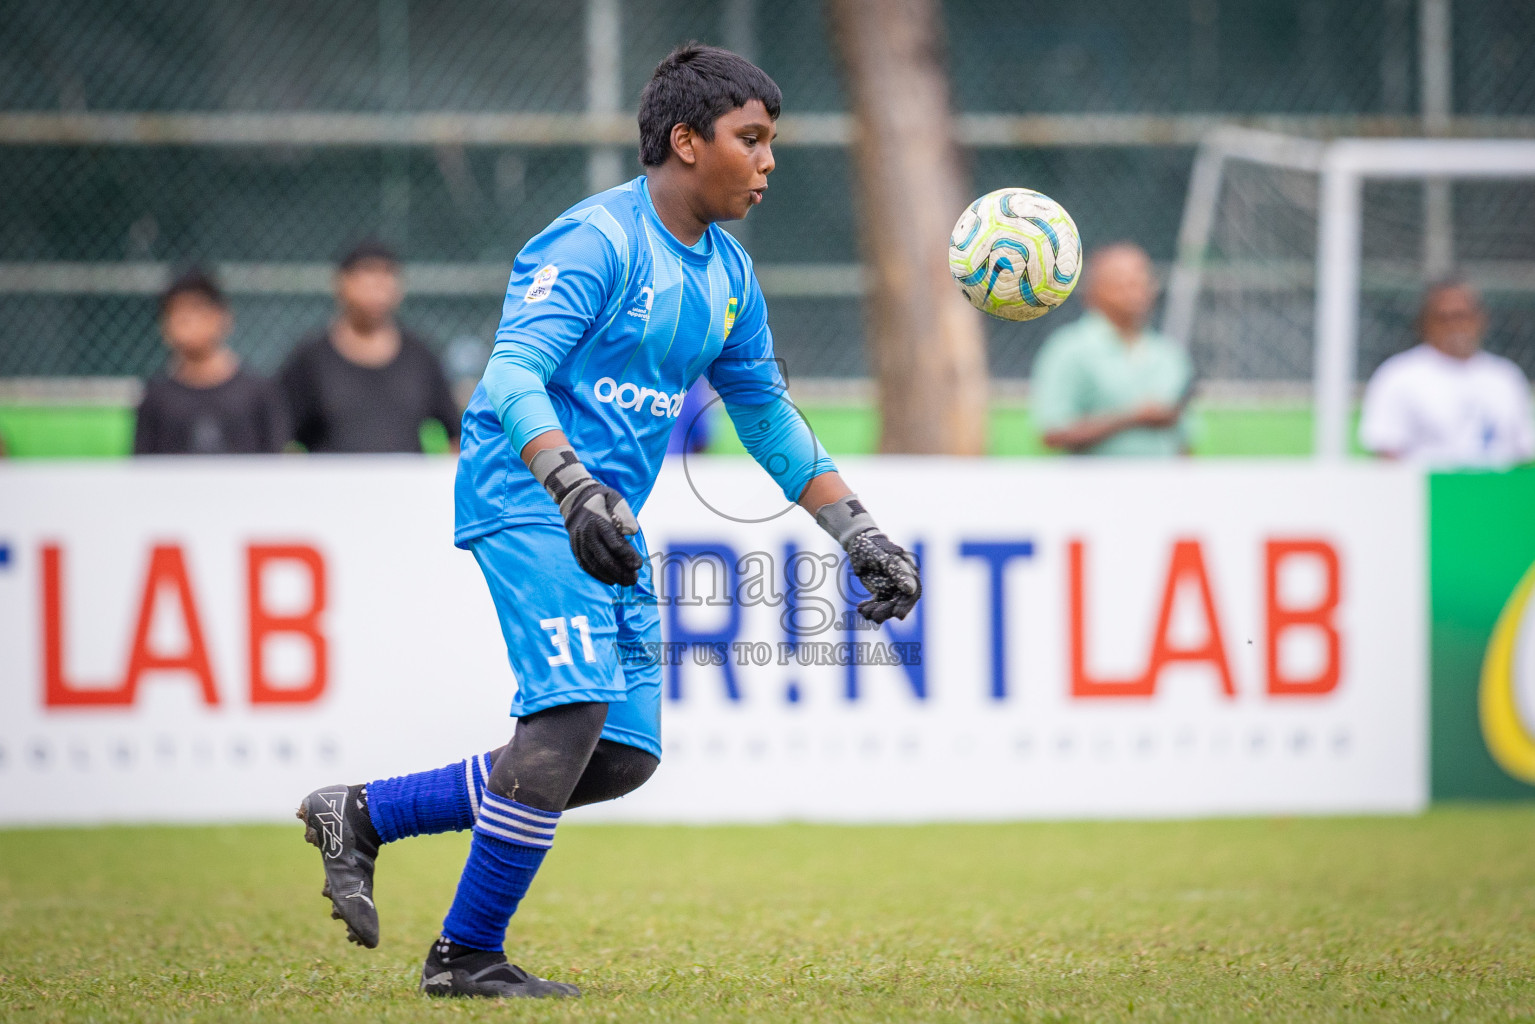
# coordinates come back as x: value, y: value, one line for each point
x: 205, y: 402
x: 1104, y: 384
x: 1445, y: 402
x: 365, y: 384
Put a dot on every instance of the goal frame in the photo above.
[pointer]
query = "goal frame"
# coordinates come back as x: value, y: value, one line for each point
x: 1342, y: 166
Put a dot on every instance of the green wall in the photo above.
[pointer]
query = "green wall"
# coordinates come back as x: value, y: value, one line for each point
x: 96, y: 431
x: 63, y: 431
x: 1221, y: 431
x: 102, y: 431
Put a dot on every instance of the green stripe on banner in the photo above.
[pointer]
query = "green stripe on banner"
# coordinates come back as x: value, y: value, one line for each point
x: 1481, y: 543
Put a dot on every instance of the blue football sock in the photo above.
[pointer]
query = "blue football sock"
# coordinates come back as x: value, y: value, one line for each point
x: 441, y: 800
x: 510, y: 840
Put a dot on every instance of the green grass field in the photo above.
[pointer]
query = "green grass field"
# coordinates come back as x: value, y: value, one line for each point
x: 1307, y: 919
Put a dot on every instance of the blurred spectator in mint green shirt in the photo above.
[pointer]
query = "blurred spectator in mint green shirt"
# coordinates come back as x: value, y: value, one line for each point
x: 1105, y: 384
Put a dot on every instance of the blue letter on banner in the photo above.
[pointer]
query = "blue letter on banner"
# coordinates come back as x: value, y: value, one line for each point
x: 678, y: 584
x: 997, y: 554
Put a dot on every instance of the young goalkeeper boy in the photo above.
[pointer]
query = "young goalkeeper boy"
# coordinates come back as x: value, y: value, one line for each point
x: 611, y: 314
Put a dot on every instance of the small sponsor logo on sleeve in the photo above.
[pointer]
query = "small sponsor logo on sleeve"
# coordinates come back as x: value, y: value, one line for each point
x: 730, y: 315
x: 543, y: 283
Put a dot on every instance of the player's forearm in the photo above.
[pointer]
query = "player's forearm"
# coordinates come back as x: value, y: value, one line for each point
x: 548, y: 439
x: 822, y: 490
x: 782, y: 442
x: 514, y: 383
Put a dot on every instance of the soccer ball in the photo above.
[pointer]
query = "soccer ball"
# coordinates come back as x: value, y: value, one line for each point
x: 1015, y: 253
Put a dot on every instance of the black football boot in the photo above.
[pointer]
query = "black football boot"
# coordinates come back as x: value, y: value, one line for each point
x: 454, y: 970
x: 336, y: 821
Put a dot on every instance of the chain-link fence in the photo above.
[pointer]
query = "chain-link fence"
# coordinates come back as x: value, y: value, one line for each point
x: 1255, y: 314
x: 264, y: 137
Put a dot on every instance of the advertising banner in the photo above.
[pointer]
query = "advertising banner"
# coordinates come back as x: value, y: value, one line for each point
x: 197, y: 640
x: 1482, y: 591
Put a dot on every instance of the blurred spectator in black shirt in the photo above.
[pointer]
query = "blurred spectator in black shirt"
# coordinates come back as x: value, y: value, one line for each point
x: 205, y: 402
x: 365, y: 384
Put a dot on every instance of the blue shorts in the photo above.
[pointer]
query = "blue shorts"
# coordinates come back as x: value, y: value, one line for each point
x: 569, y: 637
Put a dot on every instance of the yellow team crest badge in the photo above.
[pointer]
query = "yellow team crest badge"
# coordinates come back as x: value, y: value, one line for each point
x: 730, y: 315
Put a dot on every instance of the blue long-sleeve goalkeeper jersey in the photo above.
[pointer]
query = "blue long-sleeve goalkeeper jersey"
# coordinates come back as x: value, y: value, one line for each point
x: 608, y: 320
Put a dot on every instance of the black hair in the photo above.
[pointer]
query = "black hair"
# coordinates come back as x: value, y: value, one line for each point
x: 193, y: 281
x: 369, y: 250
x: 694, y: 85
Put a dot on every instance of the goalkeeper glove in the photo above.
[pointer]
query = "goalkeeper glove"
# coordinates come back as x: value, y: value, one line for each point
x: 597, y: 517
x: 887, y: 571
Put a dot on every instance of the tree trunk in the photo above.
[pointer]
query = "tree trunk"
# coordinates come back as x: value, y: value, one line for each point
x: 926, y: 342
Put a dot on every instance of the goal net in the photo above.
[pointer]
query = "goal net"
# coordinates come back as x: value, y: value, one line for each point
x: 1301, y: 263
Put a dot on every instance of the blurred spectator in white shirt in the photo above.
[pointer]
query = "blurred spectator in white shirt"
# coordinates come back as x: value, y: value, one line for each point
x: 1445, y: 402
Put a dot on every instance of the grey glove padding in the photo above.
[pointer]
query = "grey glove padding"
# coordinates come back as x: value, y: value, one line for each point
x: 887, y: 571
x: 844, y: 519
x: 597, y: 517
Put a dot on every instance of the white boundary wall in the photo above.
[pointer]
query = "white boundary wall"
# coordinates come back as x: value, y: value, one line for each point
x: 416, y: 673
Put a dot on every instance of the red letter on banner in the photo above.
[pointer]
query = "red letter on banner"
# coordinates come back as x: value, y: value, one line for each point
x: 1082, y: 685
x: 305, y: 624
x: 58, y: 691
x: 168, y: 566
x: 1188, y: 563
x: 1319, y: 616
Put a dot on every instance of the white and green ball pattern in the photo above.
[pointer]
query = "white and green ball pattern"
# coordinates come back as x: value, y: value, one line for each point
x: 1015, y: 253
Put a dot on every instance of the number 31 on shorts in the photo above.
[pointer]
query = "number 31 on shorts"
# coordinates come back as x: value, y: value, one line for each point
x: 560, y: 637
